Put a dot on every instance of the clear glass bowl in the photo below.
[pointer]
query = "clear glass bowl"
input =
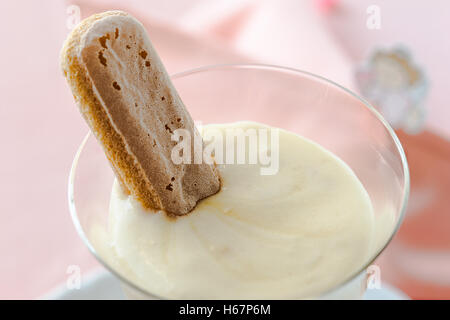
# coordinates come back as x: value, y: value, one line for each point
x: 306, y: 104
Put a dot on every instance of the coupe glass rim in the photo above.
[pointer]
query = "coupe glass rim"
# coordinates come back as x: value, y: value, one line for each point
x: 406, y: 178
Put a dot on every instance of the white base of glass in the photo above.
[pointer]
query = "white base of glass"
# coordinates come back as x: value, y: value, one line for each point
x: 99, y: 285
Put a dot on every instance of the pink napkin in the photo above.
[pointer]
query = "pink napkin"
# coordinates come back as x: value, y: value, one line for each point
x: 289, y: 33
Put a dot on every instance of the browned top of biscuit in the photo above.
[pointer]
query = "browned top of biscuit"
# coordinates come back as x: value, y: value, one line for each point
x: 127, y: 98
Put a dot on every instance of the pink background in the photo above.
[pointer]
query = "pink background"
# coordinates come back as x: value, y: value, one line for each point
x: 41, y: 127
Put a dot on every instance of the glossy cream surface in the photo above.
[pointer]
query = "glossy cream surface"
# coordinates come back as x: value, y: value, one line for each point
x: 293, y: 234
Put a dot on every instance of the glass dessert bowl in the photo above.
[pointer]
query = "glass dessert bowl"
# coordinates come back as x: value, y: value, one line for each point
x: 297, y: 101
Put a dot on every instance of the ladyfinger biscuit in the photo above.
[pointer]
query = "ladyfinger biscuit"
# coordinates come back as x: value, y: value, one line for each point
x: 125, y: 94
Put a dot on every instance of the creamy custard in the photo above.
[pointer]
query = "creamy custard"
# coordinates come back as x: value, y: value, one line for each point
x: 294, y: 234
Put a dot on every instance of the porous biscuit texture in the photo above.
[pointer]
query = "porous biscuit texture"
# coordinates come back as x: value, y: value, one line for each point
x: 126, y: 96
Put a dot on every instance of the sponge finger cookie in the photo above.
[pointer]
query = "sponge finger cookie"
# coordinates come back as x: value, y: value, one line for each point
x: 125, y: 94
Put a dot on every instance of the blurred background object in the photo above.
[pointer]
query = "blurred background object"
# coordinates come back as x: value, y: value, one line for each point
x: 420, y: 256
x: 42, y: 129
x: 391, y: 82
